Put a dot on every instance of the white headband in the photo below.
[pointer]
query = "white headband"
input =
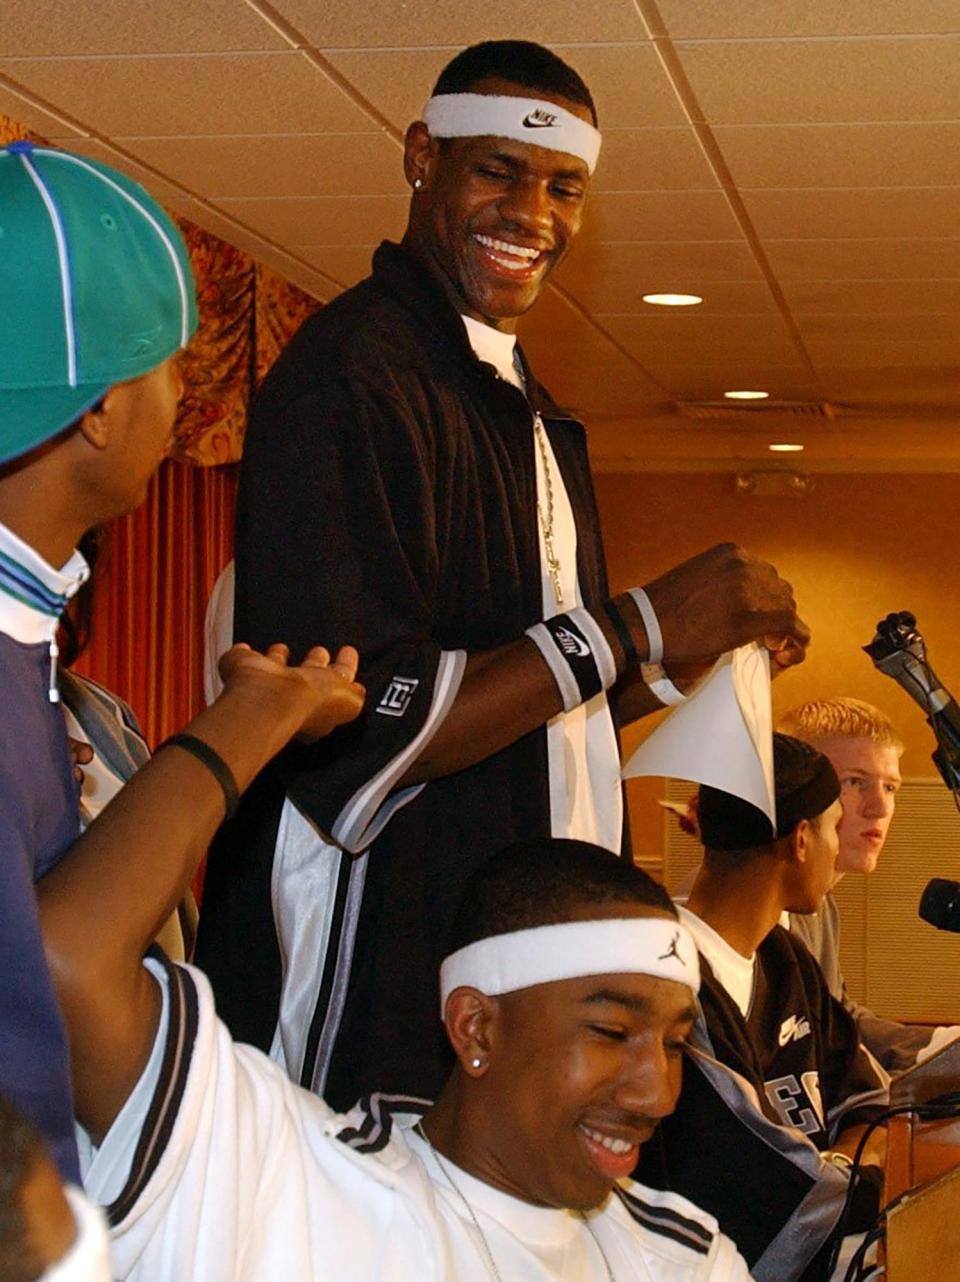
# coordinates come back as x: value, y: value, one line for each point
x: 658, y: 946
x: 479, y: 115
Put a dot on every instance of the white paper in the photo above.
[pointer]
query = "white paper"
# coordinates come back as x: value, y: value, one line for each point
x: 722, y: 735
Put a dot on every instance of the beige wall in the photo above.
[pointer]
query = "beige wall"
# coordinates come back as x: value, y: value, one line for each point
x: 854, y: 548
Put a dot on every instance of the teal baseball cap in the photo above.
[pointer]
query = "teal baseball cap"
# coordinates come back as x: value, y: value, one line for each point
x: 95, y: 289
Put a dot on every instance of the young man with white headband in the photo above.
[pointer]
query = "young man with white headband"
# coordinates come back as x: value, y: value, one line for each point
x: 96, y: 299
x: 567, y: 997
x: 778, y: 1088
x: 408, y: 485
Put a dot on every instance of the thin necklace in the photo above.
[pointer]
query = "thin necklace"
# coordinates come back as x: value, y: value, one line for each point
x: 487, y: 1253
x: 546, y: 521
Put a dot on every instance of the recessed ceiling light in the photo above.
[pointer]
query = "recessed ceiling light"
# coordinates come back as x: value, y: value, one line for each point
x: 673, y: 300
x: 785, y: 449
x: 746, y: 396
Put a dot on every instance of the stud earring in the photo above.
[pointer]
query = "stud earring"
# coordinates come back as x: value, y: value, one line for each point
x: 417, y: 184
x: 477, y: 1062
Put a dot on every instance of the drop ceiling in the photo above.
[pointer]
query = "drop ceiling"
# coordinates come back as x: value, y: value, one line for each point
x: 797, y: 165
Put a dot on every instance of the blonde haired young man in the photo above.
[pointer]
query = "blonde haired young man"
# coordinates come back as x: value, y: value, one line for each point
x: 864, y: 748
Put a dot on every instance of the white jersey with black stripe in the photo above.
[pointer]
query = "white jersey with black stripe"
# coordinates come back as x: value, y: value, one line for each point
x: 234, y: 1174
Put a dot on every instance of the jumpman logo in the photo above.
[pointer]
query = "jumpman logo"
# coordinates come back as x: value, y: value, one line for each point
x: 672, y: 950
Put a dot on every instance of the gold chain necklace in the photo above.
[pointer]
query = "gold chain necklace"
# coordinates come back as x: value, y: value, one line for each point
x: 546, y: 522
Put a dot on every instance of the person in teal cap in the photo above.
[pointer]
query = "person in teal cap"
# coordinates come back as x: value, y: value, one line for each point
x: 96, y: 300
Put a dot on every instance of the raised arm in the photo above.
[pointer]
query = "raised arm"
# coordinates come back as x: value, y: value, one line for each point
x: 102, y: 905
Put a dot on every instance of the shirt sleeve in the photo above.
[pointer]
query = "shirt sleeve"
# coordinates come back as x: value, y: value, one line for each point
x: 337, y: 544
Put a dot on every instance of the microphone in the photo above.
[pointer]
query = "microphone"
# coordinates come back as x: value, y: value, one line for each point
x: 899, y: 651
x: 940, y: 904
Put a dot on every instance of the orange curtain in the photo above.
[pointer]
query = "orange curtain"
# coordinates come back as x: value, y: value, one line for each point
x: 156, y: 573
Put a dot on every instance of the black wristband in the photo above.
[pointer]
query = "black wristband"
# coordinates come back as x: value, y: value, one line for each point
x: 210, y: 758
x: 623, y: 633
x: 577, y: 654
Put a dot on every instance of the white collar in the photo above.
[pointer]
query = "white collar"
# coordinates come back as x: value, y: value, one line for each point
x: 33, y: 595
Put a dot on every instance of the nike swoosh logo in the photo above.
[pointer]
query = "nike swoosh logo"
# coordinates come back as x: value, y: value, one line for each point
x: 534, y: 122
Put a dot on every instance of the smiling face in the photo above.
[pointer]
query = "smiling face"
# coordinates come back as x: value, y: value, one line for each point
x: 581, y: 1071
x: 494, y: 216
x: 869, y: 780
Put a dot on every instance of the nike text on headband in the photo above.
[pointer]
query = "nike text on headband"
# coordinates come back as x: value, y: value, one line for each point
x: 478, y: 115
x: 657, y: 946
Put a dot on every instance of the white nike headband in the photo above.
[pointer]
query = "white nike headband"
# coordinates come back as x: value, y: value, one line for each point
x: 657, y: 946
x: 479, y: 115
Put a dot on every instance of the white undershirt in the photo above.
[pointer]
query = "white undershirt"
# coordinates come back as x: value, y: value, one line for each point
x: 583, y: 759
x: 734, y: 971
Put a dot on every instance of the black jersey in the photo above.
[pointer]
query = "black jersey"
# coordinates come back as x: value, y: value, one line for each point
x: 762, y: 1095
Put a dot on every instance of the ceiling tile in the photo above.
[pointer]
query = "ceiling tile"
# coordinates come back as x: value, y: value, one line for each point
x: 167, y: 192
x: 279, y: 165
x: 668, y: 216
x: 864, y: 260
x: 916, y: 155
x: 163, y: 96
x: 911, y: 302
x: 900, y: 212
x: 694, y: 19
x: 920, y: 385
x: 378, y: 24
x: 31, y: 29
x: 879, y: 352
x: 873, y: 327
x: 347, y: 263
x: 695, y: 381
x: 33, y: 118
x: 651, y: 160
x: 825, y: 80
x: 613, y: 277
x: 629, y: 86
x: 715, y: 339
x: 352, y: 220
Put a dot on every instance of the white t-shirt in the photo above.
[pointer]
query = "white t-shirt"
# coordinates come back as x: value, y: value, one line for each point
x: 234, y: 1174
x: 586, y: 801
x: 734, y: 971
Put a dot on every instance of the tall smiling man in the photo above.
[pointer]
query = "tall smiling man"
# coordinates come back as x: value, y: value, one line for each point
x: 410, y: 486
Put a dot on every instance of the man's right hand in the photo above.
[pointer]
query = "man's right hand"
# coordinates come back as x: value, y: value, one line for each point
x: 326, y: 693
x: 724, y: 598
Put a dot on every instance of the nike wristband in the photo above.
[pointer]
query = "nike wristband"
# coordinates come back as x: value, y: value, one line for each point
x: 577, y: 653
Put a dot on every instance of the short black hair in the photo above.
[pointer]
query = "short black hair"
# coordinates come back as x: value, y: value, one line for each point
x: 805, y: 785
x: 521, y: 61
x: 20, y: 1148
x: 542, y: 882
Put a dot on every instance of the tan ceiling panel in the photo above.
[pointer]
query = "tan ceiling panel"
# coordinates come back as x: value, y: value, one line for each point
x: 825, y: 80
x: 899, y: 212
x: 917, y: 386
x: 724, y: 18
x: 910, y: 302
x: 677, y: 216
x: 380, y: 24
x: 282, y: 165
x: 864, y: 260
x: 352, y: 220
x: 32, y: 117
x: 629, y: 86
x: 878, y: 351
x: 33, y: 29
x: 619, y: 269
x: 614, y: 278
x: 877, y: 328
x: 651, y: 160
x: 723, y: 338
x: 168, y: 193
x: 693, y: 380
x: 167, y: 96
x: 843, y: 155
x: 346, y: 263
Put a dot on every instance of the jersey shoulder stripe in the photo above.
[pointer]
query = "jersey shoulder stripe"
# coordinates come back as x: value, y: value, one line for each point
x: 372, y: 1132
x: 667, y: 1222
x: 158, y: 1125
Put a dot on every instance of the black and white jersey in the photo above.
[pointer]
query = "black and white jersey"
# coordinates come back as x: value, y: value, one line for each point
x: 230, y: 1173
x: 762, y: 1095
